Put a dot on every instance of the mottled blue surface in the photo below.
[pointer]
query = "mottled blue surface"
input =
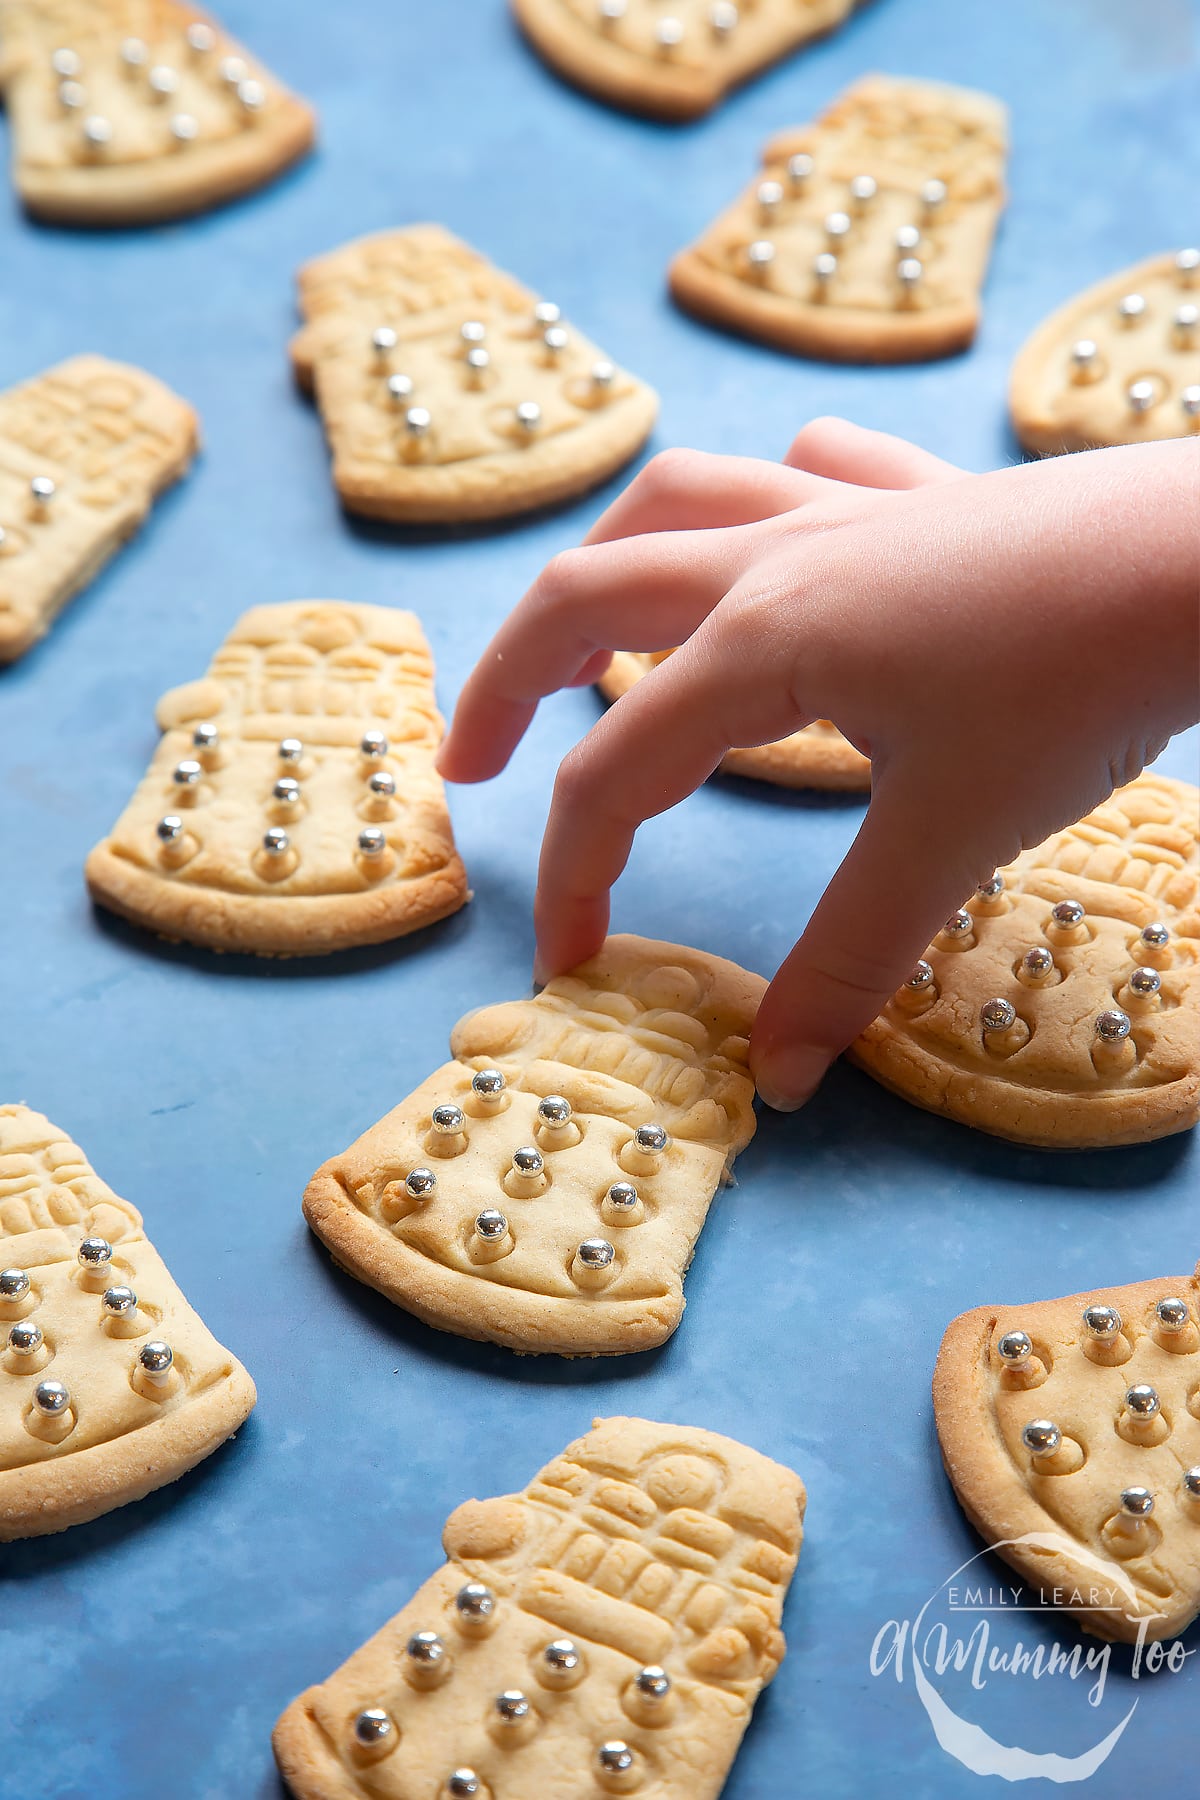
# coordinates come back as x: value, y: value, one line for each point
x: 146, y: 1656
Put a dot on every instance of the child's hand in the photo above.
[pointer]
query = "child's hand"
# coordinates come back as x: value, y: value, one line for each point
x: 1006, y: 648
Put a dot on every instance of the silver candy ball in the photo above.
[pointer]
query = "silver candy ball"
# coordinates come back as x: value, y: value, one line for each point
x: 372, y: 1727
x: 291, y: 750
x: 420, y: 1183
x: 909, y: 271
x: 371, y: 841
x: 252, y: 95
x: 1145, y: 982
x: 66, y: 63
x: 511, y: 1706
x: 478, y: 360
x: 382, y: 784
x: 1112, y: 1027
x: 162, y: 81
x: 399, y: 388
x: 769, y: 195
x: 837, y: 225
x: 232, y: 70
x: 1015, y: 1348
x: 156, y: 1357
x: 448, y: 1120
x: 921, y: 977
x: 669, y: 33
x: 1041, y: 1437
x: 94, y: 1253
x: 383, y: 340
x: 723, y: 17
x: 187, y: 773
x: 527, y: 1160
x: 43, y: 489
x: 373, y: 745
x: 992, y: 888
x: 1156, y: 936
x: 200, y: 37
x: 1141, y: 395
x: 472, y: 332
x: 1142, y: 1401
x: 623, y: 1195
x: 825, y: 266
x: 119, y: 1302
x: 998, y: 1015
x: 487, y: 1083
x: 25, y: 1337
x: 1187, y: 262
x: 1187, y: 316
x: 475, y: 1601
x: 1037, y: 961
x: 652, y: 1138
x: 417, y: 421
x: 933, y: 194
x: 554, y: 1110
x: 14, y: 1284
x: 425, y: 1648
x: 205, y: 736
x: 863, y: 188
x: 529, y: 415
x: 1084, y: 353
x: 1191, y: 1482
x: 603, y: 374
x: 799, y: 168
x: 97, y: 132
x: 286, y: 790
x: 908, y: 239
x: 1102, y: 1323
x: 1137, y: 1502
x: 463, y: 1784
x: 556, y: 338
x: 596, y: 1253
x: 1067, y: 913
x: 1190, y: 400
x: 546, y: 312
x: 276, y: 841
x: 761, y: 253
x: 1131, y: 308
x: 959, y: 924
x: 615, y: 1757
x: 184, y: 128
x: 51, y: 1398
x: 1173, y: 1314
x: 652, y: 1682
x: 561, y: 1656
x: 71, y: 95
x: 491, y: 1225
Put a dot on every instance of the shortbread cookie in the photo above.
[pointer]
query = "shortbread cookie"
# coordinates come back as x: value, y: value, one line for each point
x: 85, y: 449
x: 607, y: 1631
x: 1118, y: 364
x: 1071, y: 1432
x: 110, y: 1385
x: 1061, y: 1005
x: 816, y: 757
x: 292, y: 807
x: 546, y: 1189
x: 676, y: 60
x: 448, y: 390
x: 865, y: 237
x: 128, y: 111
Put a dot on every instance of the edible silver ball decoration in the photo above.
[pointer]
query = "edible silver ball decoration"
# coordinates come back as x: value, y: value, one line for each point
x: 97, y: 132
x: 1085, y: 353
x: 1142, y: 1401
x: 1131, y: 308
x: 94, y: 1253
x: 1103, y: 1323
x: 448, y: 1120
x: 554, y: 1110
x: 425, y: 1648
x: 382, y: 784
x: 286, y: 791
x: 1137, y: 1503
x: 1173, y: 1314
x: 921, y: 977
x: 959, y: 924
x: 399, y: 388
x: 1191, y: 1482
x: 546, y: 312
x: 1112, y: 1026
x: 373, y: 745
x: 825, y: 266
x: 909, y: 271
x: 420, y: 1183
x: 1037, y: 961
x: 25, y: 1338
x: 908, y: 239
x: 373, y: 1727
x: 475, y: 1601
x: 463, y: 1784
x: 488, y: 1083
x: 66, y: 63
x: 291, y: 750
x: 14, y: 1284
x: 933, y: 194
x: 371, y: 841
x: 205, y: 736
x: 652, y: 1682
x: 276, y: 841
x: 51, y: 1399
x: 1041, y: 1437
x: 1015, y: 1348
x: 669, y: 33
x: 652, y: 1138
x: 478, y: 360
x: 1068, y: 914
x: 1141, y: 396
x: 998, y: 1015
x: 119, y: 1302
x: 511, y: 1706
x: 1187, y: 262
x: 42, y: 489
x: 615, y: 1757
x: 491, y: 1225
x: 799, y: 168
x: 187, y: 773
x: 71, y: 95
x: 863, y: 189
x: 1145, y: 982
x: 1190, y: 400
x: 200, y: 37
x: 555, y: 339
x: 603, y: 374
x: 472, y: 331
x: 769, y: 195
x: 561, y: 1656
x: 837, y: 225
x: 232, y: 70
x: 528, y: 415
x: 723, y: 17
x: 417, y: 421
x: 169, y: 828
x: 162, y: 82
x: 596, y: 1253
x: 383, y: 340
x: 992, y: 888
x: 156, y: 1357
x: 761, y: 253
x: 527, y: 1160
x: 622, y: 1195
x: 1156, y: 936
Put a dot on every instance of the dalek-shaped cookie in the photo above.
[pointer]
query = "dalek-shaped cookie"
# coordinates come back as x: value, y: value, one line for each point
x: 1071, y: 1433
x: 128, y: 111
x: 1061, y: 1005
x: 110, y: 1384
x: 85, y: 449
x: 448, y: 390
x: 866, y: 236
x: 545, y: 1190
x: 292, y: 806
x: 605, y: 1632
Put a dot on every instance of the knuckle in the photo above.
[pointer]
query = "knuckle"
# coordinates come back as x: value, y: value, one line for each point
x: 668, y: 471
x: 821, y: 432
x: 560, y: 581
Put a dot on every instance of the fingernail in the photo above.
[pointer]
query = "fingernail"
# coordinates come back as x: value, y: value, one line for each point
x: 786, y: 1078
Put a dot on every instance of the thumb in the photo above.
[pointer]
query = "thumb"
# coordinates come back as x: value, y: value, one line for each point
x: 908, y: 869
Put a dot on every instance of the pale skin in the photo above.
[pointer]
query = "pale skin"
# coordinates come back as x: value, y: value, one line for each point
x: 1006, y: 648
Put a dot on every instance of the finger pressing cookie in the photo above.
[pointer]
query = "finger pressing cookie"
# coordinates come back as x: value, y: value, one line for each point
x: 292, y: 807
x: 85, y: 449
x: 865, y: 237
x: 449, y: 391
x: 111, y: 1386
x: 1070, y: 1430
x: 607, y: 1631
x: 129, y: 111
x: 546, y: 1189
x: 1061, y: 1004
x: 1118, y: 364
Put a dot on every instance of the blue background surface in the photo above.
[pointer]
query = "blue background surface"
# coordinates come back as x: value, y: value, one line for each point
x: 146, y: 1656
